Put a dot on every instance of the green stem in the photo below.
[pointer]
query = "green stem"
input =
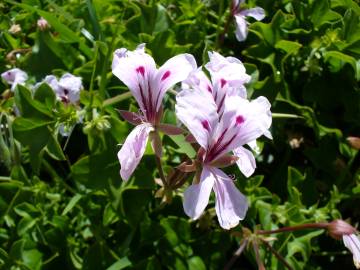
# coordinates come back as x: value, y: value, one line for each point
x: 57, y: 178
x: 285, y: 115
x: 161, y: 171
x: 91, y: 88
x: 117, y: 99
x: 11, y: 204
x: 218, y: 32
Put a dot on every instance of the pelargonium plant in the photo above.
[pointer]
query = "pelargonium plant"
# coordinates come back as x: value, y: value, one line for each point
x: 216, y: 112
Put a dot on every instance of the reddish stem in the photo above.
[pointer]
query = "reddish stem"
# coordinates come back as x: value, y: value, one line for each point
x: 322, y: 225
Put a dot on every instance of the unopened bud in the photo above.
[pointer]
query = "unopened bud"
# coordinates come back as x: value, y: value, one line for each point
x: 224, y: 161
x: 185, y: 167
x: 43, y: 24
x: 338, y: 228
x: 354, y: 142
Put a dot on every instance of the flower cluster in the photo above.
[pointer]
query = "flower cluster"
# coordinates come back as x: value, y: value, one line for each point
x: 67, y: 90
x: 216, y: 112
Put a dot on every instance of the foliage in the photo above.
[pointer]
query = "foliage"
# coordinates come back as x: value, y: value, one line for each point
x: 62, y: 202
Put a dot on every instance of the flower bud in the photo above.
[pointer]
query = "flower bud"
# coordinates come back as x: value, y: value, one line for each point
x: 354, y: 142
x: 338, y: 228
x: 43, y: 24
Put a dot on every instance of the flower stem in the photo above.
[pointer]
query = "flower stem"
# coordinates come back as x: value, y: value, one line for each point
x: 161, y: 171
x: 277, y: 255
x: 237, y: 253
x: 323, y: 225
x: 257, y: 255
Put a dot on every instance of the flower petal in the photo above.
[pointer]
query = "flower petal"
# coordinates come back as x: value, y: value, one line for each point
x: 246, y: 161
x: 256, y: 118
x: 352, y: 242
x: 196, y: 197
x: 257, y: 13
x: 136, y: 69
x: 198, y: 80
x: 241, y: 27
x: 198, y: 112
x: 52, y: 81
x: 133, y: 149
x: 174, y: 70
x: 231, y: 205
x: 230, y: 69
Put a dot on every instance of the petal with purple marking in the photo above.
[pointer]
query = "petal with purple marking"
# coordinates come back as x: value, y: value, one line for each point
x: 136, y: 69
x: 174, y: 70
x: 198, y: 112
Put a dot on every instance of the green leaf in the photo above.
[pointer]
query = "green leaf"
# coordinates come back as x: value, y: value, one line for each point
x: 54, y: 149
x: 196, y: 263
x: 25, y: 224
x: 74, y: 200
x: 184, y: 146
x: 288, y: 46
x: 322, y: 14
x: 45, y: 95
x: 29, y: 107
x: 120, y: 264
x: 337, y: 60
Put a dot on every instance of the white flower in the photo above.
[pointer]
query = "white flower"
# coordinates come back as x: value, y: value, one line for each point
x: 67, y: 89
x: 14, y: 76
x: 240, y: 18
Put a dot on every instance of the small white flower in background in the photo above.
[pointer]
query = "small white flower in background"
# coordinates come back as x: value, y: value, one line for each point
x: 14, y: 76
x: 15, y: 29
x: 43, y: 24
x: 67, y: 89
x: 240, y: 15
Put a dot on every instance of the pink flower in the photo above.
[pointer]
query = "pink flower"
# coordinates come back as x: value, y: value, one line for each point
x: 241, y: 122
x: 137, y: 70
x: 240, y: 18
x: 67, y: 89
x: 14, y: 76
x: 352, y: 242
x: 228, y: 76
x: 42, y: 24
